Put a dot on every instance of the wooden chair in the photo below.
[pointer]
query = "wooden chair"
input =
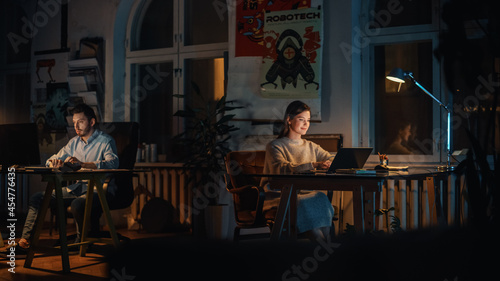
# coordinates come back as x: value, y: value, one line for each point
x: 248, y: 195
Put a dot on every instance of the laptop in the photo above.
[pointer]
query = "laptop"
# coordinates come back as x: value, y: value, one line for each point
x: 349, y: 158
x: 19, y: 145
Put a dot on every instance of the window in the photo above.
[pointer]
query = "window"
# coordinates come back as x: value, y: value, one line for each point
x: 402, y: 13
x: 172, y: 44
x: 400, y: 119
x: 154, y: 26
x: 403, y: 116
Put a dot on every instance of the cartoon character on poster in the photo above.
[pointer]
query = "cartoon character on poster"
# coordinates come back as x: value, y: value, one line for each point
x: 250, y: 21
x: 292, y: 62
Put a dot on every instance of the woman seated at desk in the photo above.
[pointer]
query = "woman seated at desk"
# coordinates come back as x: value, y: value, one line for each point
x: 290, y: 153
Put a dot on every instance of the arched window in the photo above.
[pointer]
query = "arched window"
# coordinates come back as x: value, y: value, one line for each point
x: 171, y: 44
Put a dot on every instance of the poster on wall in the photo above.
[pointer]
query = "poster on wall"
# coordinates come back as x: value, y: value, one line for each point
x: 257, y: 80
x: 250, y: 22
x: 291, y: 65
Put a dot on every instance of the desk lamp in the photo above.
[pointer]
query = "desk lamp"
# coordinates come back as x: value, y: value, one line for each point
x: 399, y: 76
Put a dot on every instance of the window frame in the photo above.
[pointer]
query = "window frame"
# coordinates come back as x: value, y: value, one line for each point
x: 364, y: 105
x: 177, y: 54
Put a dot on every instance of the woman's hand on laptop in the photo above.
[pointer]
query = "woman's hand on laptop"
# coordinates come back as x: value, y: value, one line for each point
x: 324, y: 165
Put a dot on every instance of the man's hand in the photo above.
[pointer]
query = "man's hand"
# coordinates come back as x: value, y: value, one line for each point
x: 86, y: 165
x: 73, y: 160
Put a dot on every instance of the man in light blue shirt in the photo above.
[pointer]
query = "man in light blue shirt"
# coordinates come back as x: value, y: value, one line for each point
x: 90, y: 149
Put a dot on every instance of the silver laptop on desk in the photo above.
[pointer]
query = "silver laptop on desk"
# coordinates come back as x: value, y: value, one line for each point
x: 349, y: 158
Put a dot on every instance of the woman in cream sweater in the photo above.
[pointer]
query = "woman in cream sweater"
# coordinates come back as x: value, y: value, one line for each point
x: 290, y: 153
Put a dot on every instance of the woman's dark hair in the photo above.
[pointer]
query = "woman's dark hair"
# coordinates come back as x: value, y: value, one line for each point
x: 87, y: 111
x: 293, y: 109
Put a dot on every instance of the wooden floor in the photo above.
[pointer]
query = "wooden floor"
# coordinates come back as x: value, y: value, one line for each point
x: 47, y: 265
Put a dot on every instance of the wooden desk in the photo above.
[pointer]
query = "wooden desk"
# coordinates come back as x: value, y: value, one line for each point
x: 363, y: 187
x: 54, y: 179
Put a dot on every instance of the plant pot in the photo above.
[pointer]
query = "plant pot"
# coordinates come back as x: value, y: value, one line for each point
x: 217, y: 221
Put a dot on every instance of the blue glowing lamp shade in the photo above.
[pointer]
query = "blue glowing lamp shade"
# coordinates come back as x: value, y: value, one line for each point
x: 396, y: 75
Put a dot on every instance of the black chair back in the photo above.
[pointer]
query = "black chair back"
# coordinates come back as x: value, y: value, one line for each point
x: 120, y: 192
x: 126, y: 135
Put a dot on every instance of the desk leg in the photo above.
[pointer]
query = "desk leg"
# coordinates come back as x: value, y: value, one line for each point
x: 283, y: 213
x: 39, y: 224
x: 439, y: 203
x: 357, y: 204
x: 363, y: 209
x: 86, y: 218
x: 62, y: 226
x: 434, y: 193
x: 105, y: 209
x: 292, y: 215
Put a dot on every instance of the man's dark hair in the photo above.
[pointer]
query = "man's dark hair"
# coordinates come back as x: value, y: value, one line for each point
x: 87, y: 111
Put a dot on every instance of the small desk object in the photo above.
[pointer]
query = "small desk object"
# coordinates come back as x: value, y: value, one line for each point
x: 54, y: 179
x: 364, y: 188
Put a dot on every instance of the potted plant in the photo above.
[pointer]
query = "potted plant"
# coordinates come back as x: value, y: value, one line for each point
x: 205, y: 142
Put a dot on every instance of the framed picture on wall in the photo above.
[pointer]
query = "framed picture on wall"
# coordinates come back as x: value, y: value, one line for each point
x: 56, y: 106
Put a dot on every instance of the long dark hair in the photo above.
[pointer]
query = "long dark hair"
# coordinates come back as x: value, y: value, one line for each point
x: 292, y: 110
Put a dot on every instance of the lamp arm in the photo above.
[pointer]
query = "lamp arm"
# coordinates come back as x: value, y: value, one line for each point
x: 448, y: 121
x: 427, y: 92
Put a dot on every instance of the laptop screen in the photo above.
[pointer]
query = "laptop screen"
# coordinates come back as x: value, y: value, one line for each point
x: 350, y: 158
x: 19, y: 145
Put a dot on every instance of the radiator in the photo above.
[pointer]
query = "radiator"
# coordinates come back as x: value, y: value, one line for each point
x: 418, y: 205
x: 163, y: 180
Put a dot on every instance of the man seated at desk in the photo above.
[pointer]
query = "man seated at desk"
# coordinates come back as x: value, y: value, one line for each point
x: 91, y: 149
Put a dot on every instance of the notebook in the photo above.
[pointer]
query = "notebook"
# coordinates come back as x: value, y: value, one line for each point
x: 349, y: 158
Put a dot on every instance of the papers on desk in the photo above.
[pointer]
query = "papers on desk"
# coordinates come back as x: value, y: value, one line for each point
x: 386, y: 169
x: 397, y: 168
x: 359, y: 171
x: 391, y: 168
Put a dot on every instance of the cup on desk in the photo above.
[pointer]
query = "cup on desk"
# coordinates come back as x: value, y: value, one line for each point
x: 147, y: 153
x: 153, y: 152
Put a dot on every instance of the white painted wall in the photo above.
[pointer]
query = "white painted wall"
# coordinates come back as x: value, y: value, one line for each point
x: 96, y: 18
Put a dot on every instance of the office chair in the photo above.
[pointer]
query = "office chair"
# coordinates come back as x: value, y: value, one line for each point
x: 118, y: 188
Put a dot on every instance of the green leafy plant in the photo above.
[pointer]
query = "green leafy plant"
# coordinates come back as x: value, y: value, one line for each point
x: 205, y: 140
x: 395, y: 221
